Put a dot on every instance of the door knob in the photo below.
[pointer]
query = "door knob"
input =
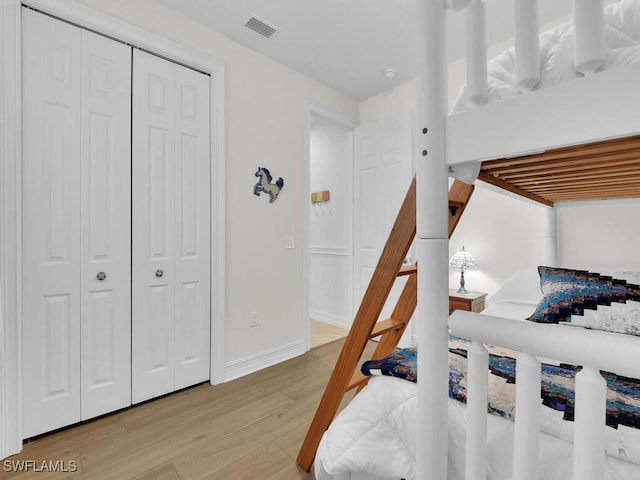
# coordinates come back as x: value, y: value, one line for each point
x: 101, y: 276
x: 159, y: 273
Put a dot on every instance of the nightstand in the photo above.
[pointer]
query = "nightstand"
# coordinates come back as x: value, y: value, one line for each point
x: 471, y: 302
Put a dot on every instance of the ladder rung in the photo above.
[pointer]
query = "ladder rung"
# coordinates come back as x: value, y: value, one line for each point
x: 357, y: 379
x: 454, y: 205
x: 408, y: 270
x: 385, y: 326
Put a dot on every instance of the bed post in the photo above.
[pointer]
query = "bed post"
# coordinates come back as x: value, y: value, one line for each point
x: 432, y: 240
x: 527, y: 44
x: 589, y: 35
x: 550, y: 238
x: 477, y: 89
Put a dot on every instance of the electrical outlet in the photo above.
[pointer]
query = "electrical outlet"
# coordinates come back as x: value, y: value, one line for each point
x: 253, y: 319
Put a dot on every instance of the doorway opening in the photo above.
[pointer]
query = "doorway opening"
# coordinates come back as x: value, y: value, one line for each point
x: 329, y: 289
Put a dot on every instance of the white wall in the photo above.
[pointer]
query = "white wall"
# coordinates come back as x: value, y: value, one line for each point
x: 599, y: 234
x: 331, y: 148
x: 503, y: 232
x: 262, y: 275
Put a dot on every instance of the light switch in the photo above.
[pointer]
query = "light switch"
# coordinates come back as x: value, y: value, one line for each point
x: 289, y: 241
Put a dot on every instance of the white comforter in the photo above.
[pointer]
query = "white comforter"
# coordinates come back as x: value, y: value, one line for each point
x: 374, y: 438
x: 622, y: 43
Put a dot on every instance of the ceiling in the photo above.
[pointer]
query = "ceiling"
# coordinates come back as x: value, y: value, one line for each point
x: 347, y: 44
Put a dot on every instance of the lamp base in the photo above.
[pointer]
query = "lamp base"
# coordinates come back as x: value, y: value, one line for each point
x: 462, y: 289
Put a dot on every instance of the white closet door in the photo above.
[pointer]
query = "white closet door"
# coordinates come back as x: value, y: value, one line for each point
x: 193, y: 221
x: 170, y: 324
x: 105, y: 225
x: 152, y: 245
x: 51, y: 223
x: 76, y: 223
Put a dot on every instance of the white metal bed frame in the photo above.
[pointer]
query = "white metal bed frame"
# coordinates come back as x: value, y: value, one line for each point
x: 504, y: 130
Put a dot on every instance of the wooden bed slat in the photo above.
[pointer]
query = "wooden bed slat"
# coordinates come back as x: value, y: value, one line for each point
x: 513, y: 189
x: 602, y: 170
x: 562, y: 178
x: 594, y: 186
x: 598, y: 148
x: 602, y: 162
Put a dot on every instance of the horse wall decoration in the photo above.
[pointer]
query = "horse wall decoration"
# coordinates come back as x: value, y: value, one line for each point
x: 265, y: 185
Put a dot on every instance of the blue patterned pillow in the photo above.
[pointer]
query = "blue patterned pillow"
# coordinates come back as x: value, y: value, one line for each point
x: 605, y: 289
x: 591, y: 292
x: 568, y: 292
x: 589, y: 300
x: 618, y: 290
x: 559, y: 287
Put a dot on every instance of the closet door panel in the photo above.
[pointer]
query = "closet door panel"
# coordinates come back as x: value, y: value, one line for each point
x: 106, y: 225
x: 192, y: 214
x: 51, y: 214
x: 171, y: 205
x: 153, y: 226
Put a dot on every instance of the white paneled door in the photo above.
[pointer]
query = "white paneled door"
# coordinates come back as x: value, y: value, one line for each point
x: 382, y: 175
x: 76, y: 224
x: 171, y: 231
x: 105, y: 224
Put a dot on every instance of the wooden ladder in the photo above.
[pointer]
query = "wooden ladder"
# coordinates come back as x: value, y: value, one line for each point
x: 346, y: 375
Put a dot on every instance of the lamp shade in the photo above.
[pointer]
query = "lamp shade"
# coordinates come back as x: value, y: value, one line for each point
x: 463, y: 260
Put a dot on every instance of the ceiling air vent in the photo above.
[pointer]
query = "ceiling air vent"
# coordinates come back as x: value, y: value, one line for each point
x: 261, y: 27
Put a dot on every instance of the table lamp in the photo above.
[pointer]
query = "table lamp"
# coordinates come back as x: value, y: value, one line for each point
x: 462, y: 260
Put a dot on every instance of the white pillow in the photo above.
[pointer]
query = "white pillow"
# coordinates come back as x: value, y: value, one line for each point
x: 521, y: 287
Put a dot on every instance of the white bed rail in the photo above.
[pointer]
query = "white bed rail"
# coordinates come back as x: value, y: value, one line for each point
x: 528, y: 123
x: 589, y: 54
x: 592, y: 349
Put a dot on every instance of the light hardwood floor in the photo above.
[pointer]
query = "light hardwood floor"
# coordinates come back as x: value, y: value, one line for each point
x: 323, y: 333
x: 250, y: 428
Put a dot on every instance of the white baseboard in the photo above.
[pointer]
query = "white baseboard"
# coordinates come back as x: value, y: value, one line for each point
x: 330, y: 319
x: 253, y: 363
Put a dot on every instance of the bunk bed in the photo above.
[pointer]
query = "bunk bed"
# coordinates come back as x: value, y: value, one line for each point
x: 577, y: 140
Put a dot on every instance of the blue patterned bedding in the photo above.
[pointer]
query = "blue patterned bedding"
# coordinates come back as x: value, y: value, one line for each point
x: 557, y: 389
x: 588, y: 299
